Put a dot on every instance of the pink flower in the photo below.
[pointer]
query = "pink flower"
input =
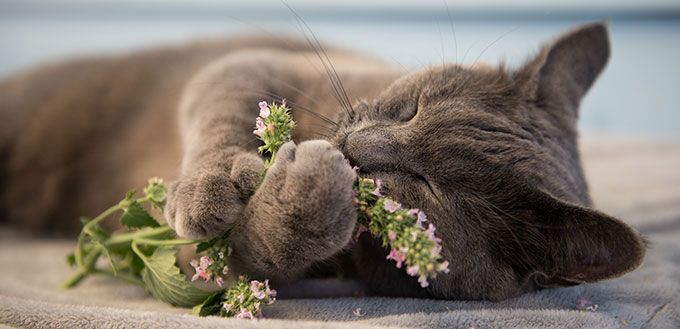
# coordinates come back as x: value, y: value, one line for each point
x: 221, y: 254
x: 283, y: 102
x: 270, y: 292
x: 219, y: 281
x: 392, y: 235
x: 259, y: 124
x: 398, y: 256
x: 227, y: 307
x: 257, y: 305
x: 378, y: 186
x: 391, y: 206
x: 205, y: 262
x: 200, y: 269
x: 255, y: 288
x: 225, y: 269
x: 244, y: 315
x: 240, y: 298
x: 423, y: 281
x: 421, y: 218
x: 443, y: 267
x: 430, y: 234
x: 436, y: 249
x: 412, y: 270
x: 264, y: 110
x: 360, y: 230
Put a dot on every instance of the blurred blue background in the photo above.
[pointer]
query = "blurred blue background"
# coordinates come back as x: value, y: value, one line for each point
x: 636, y: 95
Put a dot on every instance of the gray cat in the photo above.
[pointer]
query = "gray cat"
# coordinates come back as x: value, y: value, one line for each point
x: 490, y: 154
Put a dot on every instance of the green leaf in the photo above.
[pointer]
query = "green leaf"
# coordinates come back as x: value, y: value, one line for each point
x: 108, y: 255
x: 71, y: 259
x: 205, y: 245
x: 136, y: 216
x: 164, y: 280
x: 130, y: 194
x: 210, y: 306
x: 98, y: 234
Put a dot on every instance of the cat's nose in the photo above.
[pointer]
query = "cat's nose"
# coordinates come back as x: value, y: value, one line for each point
x: 371, y: 148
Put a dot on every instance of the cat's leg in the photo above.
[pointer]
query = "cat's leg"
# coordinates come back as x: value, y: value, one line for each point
x: 220, y: 165
x: 302, y: 213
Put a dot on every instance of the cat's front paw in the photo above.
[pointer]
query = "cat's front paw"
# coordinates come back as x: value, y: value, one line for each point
x: 203, y: 203
x: 311, y: 183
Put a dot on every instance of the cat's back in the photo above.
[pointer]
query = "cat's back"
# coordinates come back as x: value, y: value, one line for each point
x: 74, y: 136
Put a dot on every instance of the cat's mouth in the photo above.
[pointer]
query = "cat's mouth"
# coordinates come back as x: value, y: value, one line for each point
x: 393, y: 174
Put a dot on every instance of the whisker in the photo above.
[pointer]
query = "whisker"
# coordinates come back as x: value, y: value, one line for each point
x: 455, y: 42
x: 300, y: 91
x: 318, y: 126
x: 468, y: 50
x: 406, y: 70
x: 441, y: 42
x: 309, y: 130
x: 338, y: 87
x: 272, y: 95
x: 295, y: 105
x: 492, y: 43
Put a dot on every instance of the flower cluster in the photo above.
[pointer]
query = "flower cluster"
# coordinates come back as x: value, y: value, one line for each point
x: 244, y: 298
x: 273, y: 127
x: 214, y: 264
x: 401, y: 230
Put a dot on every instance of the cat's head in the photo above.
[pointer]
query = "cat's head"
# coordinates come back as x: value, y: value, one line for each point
x: 490, y: 155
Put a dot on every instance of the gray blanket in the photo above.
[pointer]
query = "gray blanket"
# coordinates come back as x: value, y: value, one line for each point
x: 638, y: 181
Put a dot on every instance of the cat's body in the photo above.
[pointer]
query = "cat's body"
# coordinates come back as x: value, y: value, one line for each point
x: 489, y: 154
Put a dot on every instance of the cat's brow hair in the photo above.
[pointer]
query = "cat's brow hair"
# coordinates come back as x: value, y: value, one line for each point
x: 453, y: 31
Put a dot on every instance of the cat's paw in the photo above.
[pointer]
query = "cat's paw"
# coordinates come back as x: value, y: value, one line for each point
x: 313, y: 168
x: 203, y: 203
x: 312, y: 183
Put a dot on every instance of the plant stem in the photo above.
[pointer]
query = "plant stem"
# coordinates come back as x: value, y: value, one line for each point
x: 88, y: 267
x: 153, y: 242
x: 73, y: 280
x: 124, y: 239
x: 271, y: 160
x: 86, y: 229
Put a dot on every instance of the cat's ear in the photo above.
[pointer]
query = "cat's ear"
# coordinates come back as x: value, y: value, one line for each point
x: 579, y: 244
x: 564, y: 71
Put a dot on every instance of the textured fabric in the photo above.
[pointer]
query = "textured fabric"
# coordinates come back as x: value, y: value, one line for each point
x: 636, y: 181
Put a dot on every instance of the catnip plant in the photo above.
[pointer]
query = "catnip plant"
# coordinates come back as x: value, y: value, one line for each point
x: 144, y: 253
